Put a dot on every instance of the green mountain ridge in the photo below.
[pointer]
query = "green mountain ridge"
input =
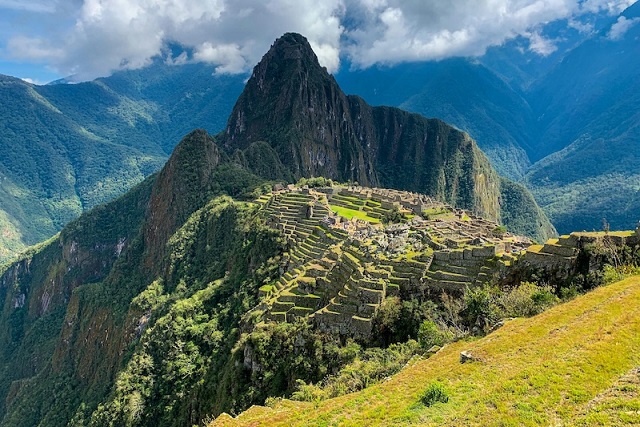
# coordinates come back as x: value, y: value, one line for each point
x: 520, y: 108
x: 154, y: 309
x: 70, y: 147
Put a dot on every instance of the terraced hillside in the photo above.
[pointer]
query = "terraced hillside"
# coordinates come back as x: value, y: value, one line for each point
x: 351, y: 247
x: 575, y: 364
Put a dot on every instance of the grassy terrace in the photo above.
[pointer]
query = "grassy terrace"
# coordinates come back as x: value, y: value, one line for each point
x: 624, y: 233
x: 575, y: 364
x: 353, y: 213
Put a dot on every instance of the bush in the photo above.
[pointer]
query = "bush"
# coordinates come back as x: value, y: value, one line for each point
x: 393, y: 216
x: 526, y: 299
x: 370, y: 367
x: 430, y: 334
x: 433, y: 394
x: 499, y: 231
x: 481, y: 310
x: 315, y: 182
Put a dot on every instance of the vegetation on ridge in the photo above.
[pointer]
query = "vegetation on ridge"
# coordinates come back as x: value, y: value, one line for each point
x: 556, y: 367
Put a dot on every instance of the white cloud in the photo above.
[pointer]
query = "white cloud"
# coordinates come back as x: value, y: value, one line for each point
x: 541, y: 45
x: 110, y: 35
x: 232, y: 35
x: 34, y: 49
x: 33, y: 81
x: 230, y: 56
x: 620, y: 27
x: 612, y: 7
x: 393, y: 30
x: 582, y: 27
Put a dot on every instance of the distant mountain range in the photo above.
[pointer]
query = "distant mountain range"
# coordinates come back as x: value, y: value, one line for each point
x: 69, y: 147
x: 565, y: 125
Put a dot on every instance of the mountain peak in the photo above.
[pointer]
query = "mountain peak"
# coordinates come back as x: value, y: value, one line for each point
x: 288, y: 57
x: 292, y: 46
x: 291, y: 51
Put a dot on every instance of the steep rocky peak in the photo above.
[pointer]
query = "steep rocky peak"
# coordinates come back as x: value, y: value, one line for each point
x: 289, y: 56
x: 286, y: 87
x: 293, y: 103
x: 179, y: 189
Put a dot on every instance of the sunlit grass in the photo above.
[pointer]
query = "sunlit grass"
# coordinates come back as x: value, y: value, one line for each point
x: 545, y: 370
x: 352, y: 213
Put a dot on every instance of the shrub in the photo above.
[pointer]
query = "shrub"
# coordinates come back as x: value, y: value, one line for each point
x: 499, y: 231
x: 480, y: 308
x: 393, y: 216
x: 430, y: 334
x: 315, y: 182
x: 526, y: 299
x: 370, y: 367
x: 433, y: 394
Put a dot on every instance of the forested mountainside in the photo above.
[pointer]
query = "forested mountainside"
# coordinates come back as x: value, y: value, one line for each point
x: 193, y: 294
x: 563, y: 124
x: 208, y: 289
x: 69, y: 147
x: 592, y: 152
x: 178, y: 300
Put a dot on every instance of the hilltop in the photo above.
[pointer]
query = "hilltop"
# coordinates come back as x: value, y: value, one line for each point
x: 311, y: 128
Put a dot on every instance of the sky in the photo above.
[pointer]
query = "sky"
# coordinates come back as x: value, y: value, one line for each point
x: 42, y: 40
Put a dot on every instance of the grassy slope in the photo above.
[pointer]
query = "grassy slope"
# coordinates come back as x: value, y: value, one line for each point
x: 572, y: 365
x: 350, y: 213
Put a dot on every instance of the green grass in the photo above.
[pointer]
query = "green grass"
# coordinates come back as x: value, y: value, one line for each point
x: 352, y: 213
x: 623, y: 233
x: 567, y: 366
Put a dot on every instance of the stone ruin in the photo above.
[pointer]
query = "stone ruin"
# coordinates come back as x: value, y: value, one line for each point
x: 339, y: 270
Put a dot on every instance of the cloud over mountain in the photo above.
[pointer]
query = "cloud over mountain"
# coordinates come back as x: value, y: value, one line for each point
x: 102, y: 36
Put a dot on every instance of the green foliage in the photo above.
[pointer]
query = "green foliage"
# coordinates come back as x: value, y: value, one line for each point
x: 191, y: 321
x: 499, y: 231
x: 526, y: 299
x: 435, y: 393
x: 369, y: 367
x: 613, y: 274
x: 399, y: 320
x: 480, y: 309
x: 393, y: 216
x: 432, y: 333
x: 315, y: 182
x: 67, y: 148
x: 521, y: 214
x: 283, y: 354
